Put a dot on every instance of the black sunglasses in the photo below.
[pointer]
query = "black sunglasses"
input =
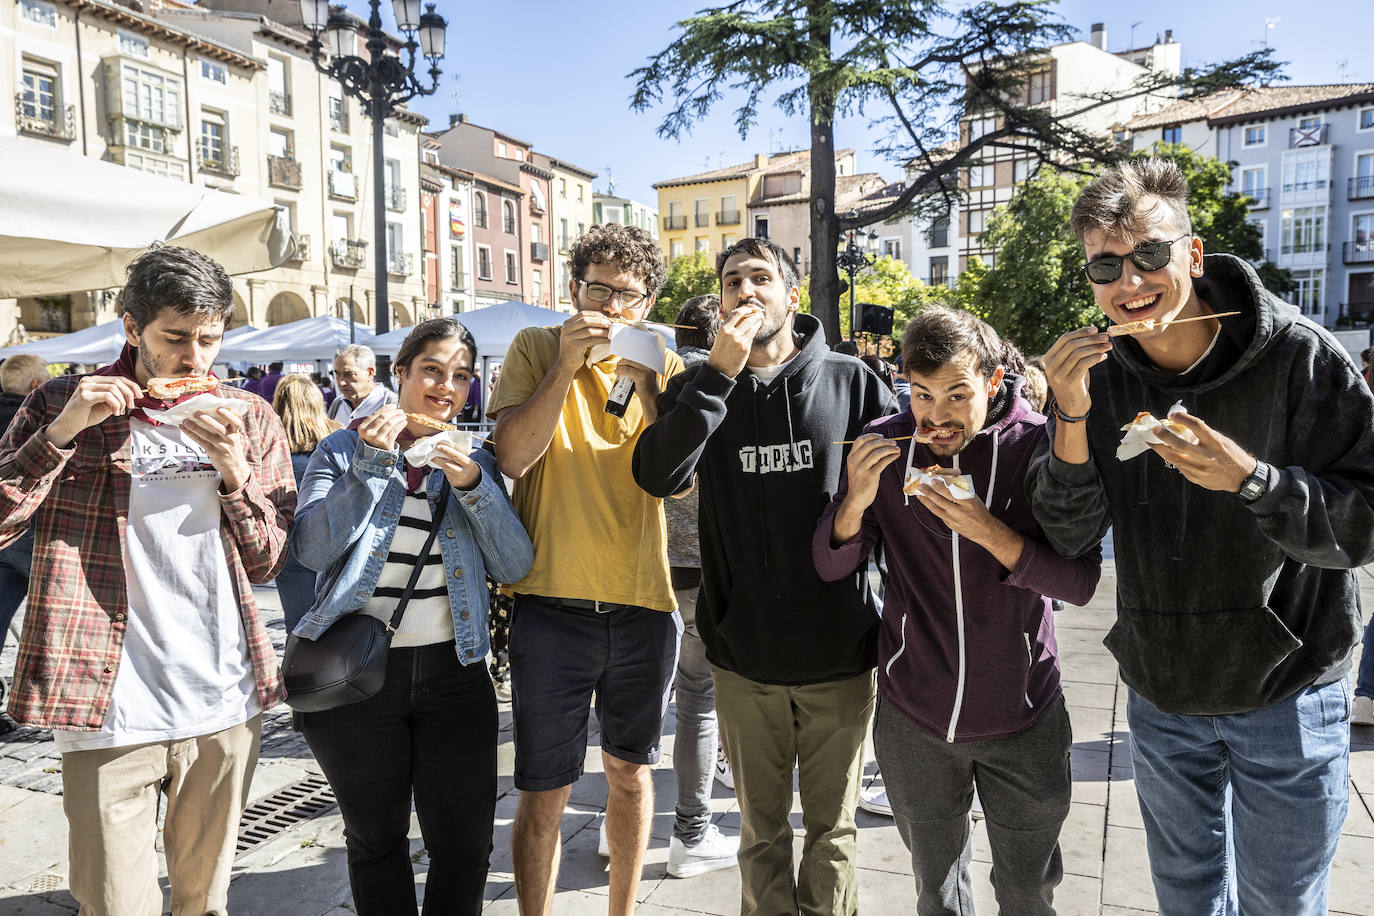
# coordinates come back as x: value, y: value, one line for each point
x: 1147, y: 256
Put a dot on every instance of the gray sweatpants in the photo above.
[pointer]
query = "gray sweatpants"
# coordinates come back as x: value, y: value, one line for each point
x: 1024, y: 784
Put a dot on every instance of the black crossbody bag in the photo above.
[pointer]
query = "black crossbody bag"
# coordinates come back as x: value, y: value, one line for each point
x: 347, y: 663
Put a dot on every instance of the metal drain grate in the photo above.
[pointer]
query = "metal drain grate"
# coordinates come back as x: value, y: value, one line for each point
x: 44, y: 884
x: 280, y: 811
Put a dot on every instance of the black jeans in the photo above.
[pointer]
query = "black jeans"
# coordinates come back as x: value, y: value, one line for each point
x: 430, y: 730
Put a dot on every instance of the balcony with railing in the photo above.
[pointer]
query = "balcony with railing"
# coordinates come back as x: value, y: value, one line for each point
x: 279, y: 102
x: 302, y: 252
x: 728, y: 218
x: 396, y: 197
x: 674, y: 222
x: 539, y: 251
x: 223, y: 161
x: 1361, y: 187
x: 458, y: 282
x: 400, y: 263
x: 1307, y: 136
x: 350, y: 254
x: 343, y: 184
x: 59, y: 123
x: 703, y: 219
x: 284, y: 172
x: 1358, y: 252
x: 1361, y: 312
x: 1259, y: 197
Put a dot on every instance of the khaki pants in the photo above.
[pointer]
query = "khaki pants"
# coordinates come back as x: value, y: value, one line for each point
x: 111, y: 800
x: 819, y: 729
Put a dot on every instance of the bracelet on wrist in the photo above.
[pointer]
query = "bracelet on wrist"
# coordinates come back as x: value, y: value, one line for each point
x: 1065, y: 418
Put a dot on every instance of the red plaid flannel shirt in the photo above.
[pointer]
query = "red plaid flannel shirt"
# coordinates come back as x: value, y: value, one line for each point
x: 77, y: 500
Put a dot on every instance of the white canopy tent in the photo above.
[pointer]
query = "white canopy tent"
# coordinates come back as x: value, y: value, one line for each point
x: 94, y: 346
x: 300, y: 341
x: 69, y: 222
x: 493, y: 327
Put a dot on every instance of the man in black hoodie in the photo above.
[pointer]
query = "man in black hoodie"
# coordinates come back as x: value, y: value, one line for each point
x: 1236, y: 546
x: 792, y: 656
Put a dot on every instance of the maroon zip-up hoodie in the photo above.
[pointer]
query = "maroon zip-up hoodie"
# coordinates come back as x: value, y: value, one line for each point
x: 968, y: 656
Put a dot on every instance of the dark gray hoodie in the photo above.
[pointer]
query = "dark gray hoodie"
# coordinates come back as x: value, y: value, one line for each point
x: 1224, y: 607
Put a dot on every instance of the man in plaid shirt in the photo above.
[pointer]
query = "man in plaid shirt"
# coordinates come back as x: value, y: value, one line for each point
x: 142, y: 648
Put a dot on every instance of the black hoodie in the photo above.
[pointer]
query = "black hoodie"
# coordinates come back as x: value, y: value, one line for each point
x: 768, y: 460
x: 1224, y: 607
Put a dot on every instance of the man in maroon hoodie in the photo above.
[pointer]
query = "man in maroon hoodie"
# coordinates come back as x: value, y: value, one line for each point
x: 968, y: 674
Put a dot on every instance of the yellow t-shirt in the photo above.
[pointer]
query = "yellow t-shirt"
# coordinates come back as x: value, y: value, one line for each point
x: 597, y: 536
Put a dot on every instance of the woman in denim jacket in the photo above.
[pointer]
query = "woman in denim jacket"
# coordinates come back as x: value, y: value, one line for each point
x: 431, y: 730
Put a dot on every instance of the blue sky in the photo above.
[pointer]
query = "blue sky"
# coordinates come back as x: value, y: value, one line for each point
x: 554, y: 73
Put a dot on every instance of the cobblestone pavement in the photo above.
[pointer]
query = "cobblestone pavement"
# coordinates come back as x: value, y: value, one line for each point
x: 301, y: 872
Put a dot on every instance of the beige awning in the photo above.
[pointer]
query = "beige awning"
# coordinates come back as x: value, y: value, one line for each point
x: 69, y: 222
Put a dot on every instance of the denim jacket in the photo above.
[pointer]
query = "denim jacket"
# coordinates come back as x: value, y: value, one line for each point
x: 350, y: 503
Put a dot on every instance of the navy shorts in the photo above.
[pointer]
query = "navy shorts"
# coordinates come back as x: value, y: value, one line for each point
x: 559, y: 658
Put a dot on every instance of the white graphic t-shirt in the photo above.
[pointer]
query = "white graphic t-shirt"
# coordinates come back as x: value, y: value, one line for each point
x: 185, y: 669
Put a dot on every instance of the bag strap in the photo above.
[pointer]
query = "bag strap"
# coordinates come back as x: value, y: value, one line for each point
x: 420, y: 560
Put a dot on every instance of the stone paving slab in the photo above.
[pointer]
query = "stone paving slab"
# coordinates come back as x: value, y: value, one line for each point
x: 302, y: 872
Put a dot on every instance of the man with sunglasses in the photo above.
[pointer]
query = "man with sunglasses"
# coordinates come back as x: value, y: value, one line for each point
x: 1236, y: 546
x: 595, y: 615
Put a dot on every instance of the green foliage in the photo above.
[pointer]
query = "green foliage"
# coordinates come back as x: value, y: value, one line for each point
x: 1037, y: 289
x: 888, y: 282
x: 688, y: 275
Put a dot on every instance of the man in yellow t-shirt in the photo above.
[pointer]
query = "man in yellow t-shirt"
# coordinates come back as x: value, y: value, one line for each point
x: 596, y: 612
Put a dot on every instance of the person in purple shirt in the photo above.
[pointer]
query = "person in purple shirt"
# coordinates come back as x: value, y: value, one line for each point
x: 969, y: 686
x: 268, y: 386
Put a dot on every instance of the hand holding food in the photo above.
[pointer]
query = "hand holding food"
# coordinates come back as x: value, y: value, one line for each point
x: 735, y: 340
x: 380, y: 429
x: 867, y: 459
x: 95, y: 399
x: 1067, y: 364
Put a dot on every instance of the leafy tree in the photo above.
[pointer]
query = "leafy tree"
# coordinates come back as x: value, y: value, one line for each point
x: 1037, y: 290
x: 688, y: 275
x: 920, y: 63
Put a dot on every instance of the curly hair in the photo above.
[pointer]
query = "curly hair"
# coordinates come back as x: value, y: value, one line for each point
x: 628, y: 249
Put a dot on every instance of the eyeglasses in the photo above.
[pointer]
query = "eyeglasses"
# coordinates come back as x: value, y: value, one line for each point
x: 600, y: 292
x: 1147, y: 256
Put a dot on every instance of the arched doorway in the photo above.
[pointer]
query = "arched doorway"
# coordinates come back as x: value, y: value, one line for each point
x: 400, y: 316
x: 341, y: 310
x: 286, y: 307
x: 240, y: 316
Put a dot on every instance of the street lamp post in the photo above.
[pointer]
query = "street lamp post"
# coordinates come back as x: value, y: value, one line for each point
x: 381, y: 82
x: 852, y: 260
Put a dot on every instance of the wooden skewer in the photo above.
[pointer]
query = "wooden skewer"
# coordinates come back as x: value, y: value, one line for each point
x: 439, y: 424
x: 889, y: 439
x: 1160, y: 324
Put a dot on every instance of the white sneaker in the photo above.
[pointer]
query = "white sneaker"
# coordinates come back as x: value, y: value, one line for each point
x: 603, y: 845
x: 712, y: 852
x: 874, y: 801
x: 1363, y: 711
x: 724, y: 775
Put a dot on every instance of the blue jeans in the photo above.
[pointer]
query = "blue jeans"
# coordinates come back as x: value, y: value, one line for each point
x: 15, y: 561
x: 1364, y: 681
x: 1242, y: 812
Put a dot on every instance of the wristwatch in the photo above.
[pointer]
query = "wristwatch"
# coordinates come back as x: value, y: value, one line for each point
x: 1257, y: 484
